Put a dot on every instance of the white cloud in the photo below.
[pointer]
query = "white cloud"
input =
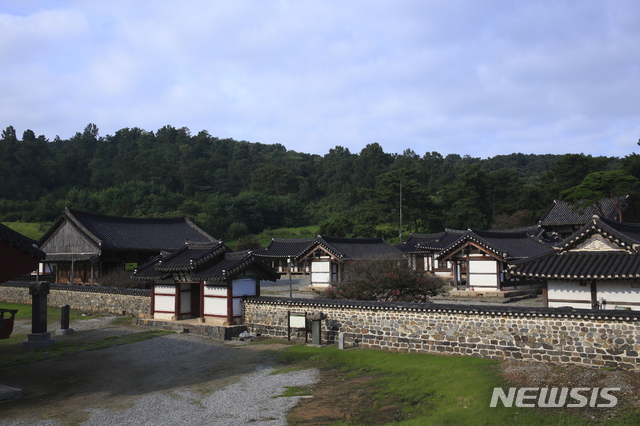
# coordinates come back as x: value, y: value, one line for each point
x: 478, y: 78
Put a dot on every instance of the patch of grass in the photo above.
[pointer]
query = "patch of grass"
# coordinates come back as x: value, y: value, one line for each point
x: 24, y: 315
x: 31, y: 230
x: 294, y: 391
x: 264, y: 238
x: 53, y: 314
x: 434, y: 390
x: 122, y: 321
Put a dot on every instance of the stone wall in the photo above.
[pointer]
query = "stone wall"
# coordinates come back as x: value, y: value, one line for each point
x: 577, y: 336
x: 121, y: 301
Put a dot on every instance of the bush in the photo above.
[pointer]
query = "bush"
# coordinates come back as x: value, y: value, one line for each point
x: 384, y: 280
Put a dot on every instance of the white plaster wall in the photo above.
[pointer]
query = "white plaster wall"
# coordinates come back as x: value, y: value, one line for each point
x: 320, y: 273
x: 482, y: 266
x: 237, y: 306
x: 580, y: 296
x: 215, y: 306
x: 165, y: 289
x: 616, y: 293
x: 165, y: 303
x: 214, y: 291
x: 483, y: 280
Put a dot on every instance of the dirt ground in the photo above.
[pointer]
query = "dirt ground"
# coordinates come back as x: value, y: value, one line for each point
x: 62, y: 388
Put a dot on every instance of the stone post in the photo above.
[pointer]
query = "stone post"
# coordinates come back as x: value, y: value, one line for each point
x: 316, y: 327
x: 64, y: 322
x: 39, y: 337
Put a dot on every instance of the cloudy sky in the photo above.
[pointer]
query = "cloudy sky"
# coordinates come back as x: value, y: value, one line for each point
x: 474, y: 77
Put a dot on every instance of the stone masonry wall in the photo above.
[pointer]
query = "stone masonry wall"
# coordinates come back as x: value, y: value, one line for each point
x: 577, y: 336
x: 121, y: 301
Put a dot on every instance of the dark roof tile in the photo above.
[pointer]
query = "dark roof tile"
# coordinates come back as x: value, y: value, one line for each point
x: 125, y: 233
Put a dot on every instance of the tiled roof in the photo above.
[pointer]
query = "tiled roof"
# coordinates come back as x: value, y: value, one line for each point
x: 125, y: 233
x: 356, y: 248
x: 570, y: 262
x: 562, y: 213
x: 286, y: 248
x: 191, y: 256
x: 448, y: 238
x: 19, y: 241
x: 579, y: 265
x: 507, y: 244
x: 411, y: 245
x: 203, y: 262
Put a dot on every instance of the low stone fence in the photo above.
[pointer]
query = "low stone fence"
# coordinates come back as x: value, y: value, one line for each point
x: 576, y: 336
x: 211, y: 331
x: 121, y: 301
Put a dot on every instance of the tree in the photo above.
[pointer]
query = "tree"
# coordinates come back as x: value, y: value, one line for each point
x: 599, y: 185
x: 467, y: 199
x: 384, y: 280
x: 384, y: 200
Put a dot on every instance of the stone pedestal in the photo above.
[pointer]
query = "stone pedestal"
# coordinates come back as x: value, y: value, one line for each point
x: 64, y: 331
x: 38, y: 341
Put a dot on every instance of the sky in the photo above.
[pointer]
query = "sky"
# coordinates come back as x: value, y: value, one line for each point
x: 477, y: 77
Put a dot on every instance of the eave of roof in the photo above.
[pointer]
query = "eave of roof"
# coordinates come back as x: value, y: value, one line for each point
x: 504, y: 245
x: 286, y: 248
x: 20, y: 242
x: 625, y: 235
x: 125, y: 234
x: 579, y: 265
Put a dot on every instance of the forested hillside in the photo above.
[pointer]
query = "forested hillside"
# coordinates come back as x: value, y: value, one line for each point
x: 233, y: 188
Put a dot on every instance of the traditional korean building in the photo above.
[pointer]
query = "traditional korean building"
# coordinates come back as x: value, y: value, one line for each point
x: 484, y: 256
x: 203, y: 280
x: 420, y: 250
x: 329, y: 254
x: 84, y: 247
x: 19, y: 255
x: 562, y: 220
x: 596, y: 267
x: 282, y: 255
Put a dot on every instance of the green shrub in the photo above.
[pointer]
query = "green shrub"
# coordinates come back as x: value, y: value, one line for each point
x: 384, y: 280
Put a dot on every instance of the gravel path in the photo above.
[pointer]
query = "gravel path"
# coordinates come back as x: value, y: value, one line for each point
x: 168, y: 380
x: 255, y: 398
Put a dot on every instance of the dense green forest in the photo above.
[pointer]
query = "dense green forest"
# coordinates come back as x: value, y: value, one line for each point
x: 234, y: 188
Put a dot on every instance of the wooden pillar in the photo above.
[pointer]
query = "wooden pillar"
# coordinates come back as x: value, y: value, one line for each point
x: 230, y: 302
x: 454, y: 271
x: 594, y: 295
x: 153, y: 299
x: 545, y: 293
x: 202, y: 284
x: 177, y: 300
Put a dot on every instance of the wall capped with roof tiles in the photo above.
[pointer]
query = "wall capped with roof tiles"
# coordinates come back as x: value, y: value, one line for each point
x: 565, y: 336
x: 136, y: 302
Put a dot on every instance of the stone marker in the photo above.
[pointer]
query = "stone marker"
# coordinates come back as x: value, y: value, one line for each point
x: 316, y: 327
x: 341, y: 340
x: 64, y: 322
x: 39, y: 337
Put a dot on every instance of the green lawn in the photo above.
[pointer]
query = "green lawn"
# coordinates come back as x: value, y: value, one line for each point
x: 24, y: 313
x: 32, y: 230
x: 437, y: 390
